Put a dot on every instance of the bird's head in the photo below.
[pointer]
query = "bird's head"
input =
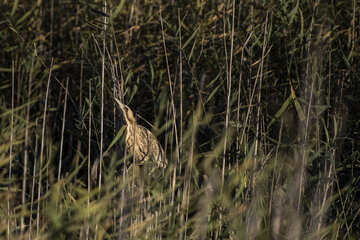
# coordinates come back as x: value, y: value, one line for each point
x: 127, y: 113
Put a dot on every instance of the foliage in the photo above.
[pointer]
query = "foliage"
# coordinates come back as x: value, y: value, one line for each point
x: 255, y: 102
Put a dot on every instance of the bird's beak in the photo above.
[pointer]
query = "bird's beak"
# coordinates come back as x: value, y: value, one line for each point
x: 121, y: 105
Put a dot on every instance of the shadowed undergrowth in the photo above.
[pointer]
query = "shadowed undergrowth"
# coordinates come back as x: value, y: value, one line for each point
x: 256, y: 106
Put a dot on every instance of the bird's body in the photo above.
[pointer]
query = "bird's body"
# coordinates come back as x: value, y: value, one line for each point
x: 140, y: 142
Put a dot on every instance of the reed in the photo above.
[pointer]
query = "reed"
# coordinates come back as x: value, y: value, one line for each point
x: 254, y: 103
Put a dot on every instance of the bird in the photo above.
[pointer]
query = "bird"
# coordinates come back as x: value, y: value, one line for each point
x: 141, y: 142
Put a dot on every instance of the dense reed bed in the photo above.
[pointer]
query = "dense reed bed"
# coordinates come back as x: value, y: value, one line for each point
x: 256, y: 104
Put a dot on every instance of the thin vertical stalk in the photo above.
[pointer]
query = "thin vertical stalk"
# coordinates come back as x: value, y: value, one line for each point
x: 311, y: 27
x: 304, y: 149
x: 102, y: 99
x: 275, y: 172
x: 63, y: 129
x: 181, y: 113
x: 26, y: 152
x: 88, y: 163
x: 120, y: 88
x: 181, y: 85
x: 238, y: 140
x: 228, y: 78
x: 102, y: 106
x: 239, y: 97
x: 187, y: 185
x: 33, y: 186
x: 259, y: 94
x: 77, y: 24
x: 134, y: 174
x: 11, y: 145
x: 114, y: 105
x: 170, y: 87
x: 187, y: 180
x: 20, y: 77
x: 341, y: 197
x: 307, y: 73
x: 78, y: 147
x: 275, y: 164
x: 353, y: 23
x: 172, y: 98
x: 42, y: 149
x: 325, y: 196
x: 52, y: 23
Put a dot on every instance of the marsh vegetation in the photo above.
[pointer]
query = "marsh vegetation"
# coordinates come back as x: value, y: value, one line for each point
x: 256, y: 104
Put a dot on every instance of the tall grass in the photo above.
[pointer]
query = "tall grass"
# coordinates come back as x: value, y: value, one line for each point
x: 255, y: 102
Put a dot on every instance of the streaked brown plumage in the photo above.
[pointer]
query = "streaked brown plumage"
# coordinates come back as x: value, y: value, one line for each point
x: 147, y: 147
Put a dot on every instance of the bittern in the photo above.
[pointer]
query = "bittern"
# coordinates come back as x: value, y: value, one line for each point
x: 140, y: 142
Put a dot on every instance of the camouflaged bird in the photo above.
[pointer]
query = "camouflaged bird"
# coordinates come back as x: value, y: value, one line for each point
x: 141, y: 140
